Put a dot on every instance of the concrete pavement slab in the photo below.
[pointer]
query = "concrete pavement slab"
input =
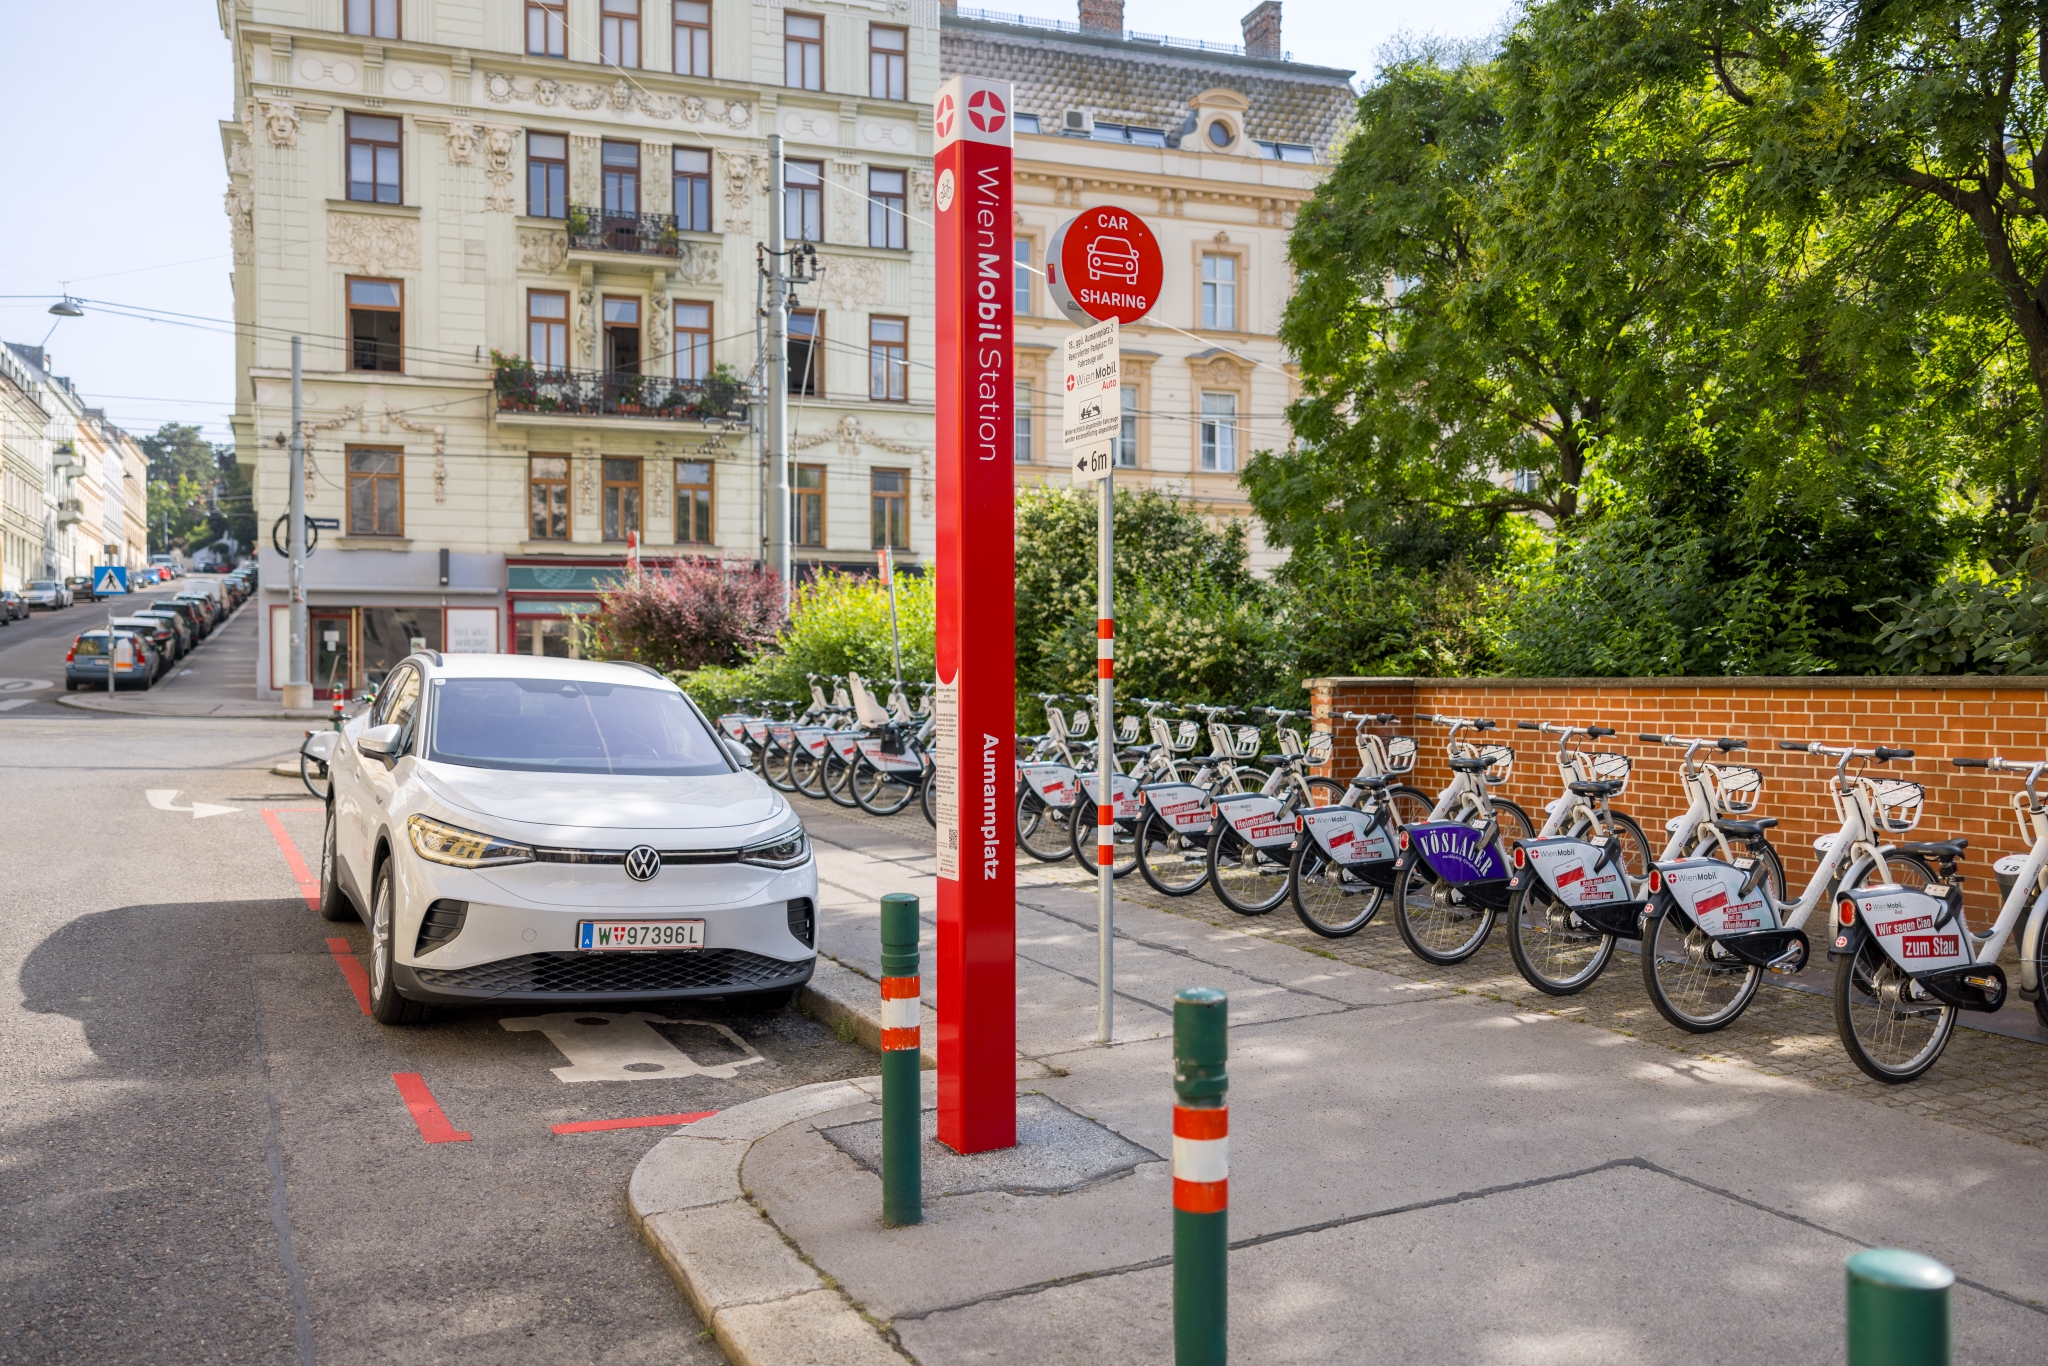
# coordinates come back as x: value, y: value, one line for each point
x: 1057, y: 1152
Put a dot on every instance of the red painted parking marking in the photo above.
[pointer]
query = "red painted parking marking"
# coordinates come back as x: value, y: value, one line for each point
x: 592, y: 1126
x: 309, y: 886
x: 426, y: 1112
x: 358, y: 980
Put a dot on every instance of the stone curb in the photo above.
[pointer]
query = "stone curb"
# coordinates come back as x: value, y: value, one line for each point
x: 764, y: 1304
x: 81, y: 704
x: 842, y: 999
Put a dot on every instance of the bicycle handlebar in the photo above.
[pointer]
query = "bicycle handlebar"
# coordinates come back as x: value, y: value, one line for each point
x: 1881, y: 753
x: 1384, y: 718
x: 1977, y: 763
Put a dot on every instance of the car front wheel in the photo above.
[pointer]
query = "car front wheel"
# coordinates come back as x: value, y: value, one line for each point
x: 334, y: 905
x: 386, y: 1005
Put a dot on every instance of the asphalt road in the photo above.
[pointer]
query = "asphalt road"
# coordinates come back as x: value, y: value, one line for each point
x: 207, y: 1155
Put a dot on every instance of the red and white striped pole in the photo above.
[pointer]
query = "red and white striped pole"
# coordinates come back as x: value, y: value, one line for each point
x: 1105, y: 753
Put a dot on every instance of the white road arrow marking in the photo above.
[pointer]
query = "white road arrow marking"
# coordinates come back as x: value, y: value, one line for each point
x: 161, y: 799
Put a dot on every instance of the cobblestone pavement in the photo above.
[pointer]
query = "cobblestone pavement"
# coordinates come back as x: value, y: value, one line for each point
x: 1984, y: 1082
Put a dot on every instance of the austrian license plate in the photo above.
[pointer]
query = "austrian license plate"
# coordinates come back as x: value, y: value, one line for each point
x: 638, y: 936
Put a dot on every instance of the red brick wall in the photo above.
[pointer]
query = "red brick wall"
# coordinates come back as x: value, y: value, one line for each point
x: 1936, y: 718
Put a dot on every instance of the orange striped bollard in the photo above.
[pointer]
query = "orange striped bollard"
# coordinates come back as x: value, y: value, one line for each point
x: 902, y: 1163
x: 1201, y: 1177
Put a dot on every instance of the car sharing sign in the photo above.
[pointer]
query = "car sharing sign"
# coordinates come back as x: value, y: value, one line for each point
x: 1093, y: 406
x: 1104, y: 263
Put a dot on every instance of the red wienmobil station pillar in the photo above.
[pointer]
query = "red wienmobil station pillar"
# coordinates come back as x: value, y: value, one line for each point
x: 977, y: 619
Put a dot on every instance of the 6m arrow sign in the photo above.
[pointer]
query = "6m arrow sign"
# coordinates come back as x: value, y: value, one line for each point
x: 1092, y: 403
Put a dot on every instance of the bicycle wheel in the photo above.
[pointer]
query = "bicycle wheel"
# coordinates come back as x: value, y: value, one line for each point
x: 1175, y: 862
x: 1331, y: 899
x: 1435, y: 920
x: 1042, y: 829
x: 838, y: 780
x: 1247, y: 879
x: 775, y: 768
x: 928, y: 799
x: 314, y: 775
x: 1084, y: 835
x: 1691, y: 987
x: 1892, y: 1031
x: 807, y: 773
x: 1556, y: 953
x: 885, y: 793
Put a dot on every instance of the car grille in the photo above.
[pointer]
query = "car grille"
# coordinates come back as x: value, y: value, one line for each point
x: 592, y: 973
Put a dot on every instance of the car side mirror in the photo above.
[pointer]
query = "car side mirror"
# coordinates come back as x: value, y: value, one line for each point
x: 741, y: 755
x: 380, y: 743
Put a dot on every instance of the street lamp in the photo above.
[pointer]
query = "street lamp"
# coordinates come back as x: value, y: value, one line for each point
x: 67, y: 307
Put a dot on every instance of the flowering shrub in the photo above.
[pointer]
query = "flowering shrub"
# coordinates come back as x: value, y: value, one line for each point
x: 837, y: 623
x: 696, y: 613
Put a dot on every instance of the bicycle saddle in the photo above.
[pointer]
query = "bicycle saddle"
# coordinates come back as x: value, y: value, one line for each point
x: 1475, y: 763
x: 1747, y: 830
x: 1941, y: 849
x: 1598, y: 789
x: 1376, y: 781
x: 1138, y: 749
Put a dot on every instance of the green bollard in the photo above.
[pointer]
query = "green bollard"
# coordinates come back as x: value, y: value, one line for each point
x: 1898, y: 1309
x: 1201, y: 1177
x: 902, y: 1162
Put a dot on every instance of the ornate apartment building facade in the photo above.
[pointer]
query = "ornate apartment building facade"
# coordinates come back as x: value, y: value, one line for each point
x: 519, y: 240
x: 1217, y: 145
x: 74, y: 488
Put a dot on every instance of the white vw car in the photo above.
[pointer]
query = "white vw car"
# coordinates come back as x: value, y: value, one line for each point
x: 551, y: 830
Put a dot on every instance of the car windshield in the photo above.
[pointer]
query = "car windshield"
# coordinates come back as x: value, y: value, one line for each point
x: 555, y: 725
x: 41, y: 583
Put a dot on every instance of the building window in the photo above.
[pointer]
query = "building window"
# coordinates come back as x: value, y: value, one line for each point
x: 547, y: 28
x: 1219, y: 292
x: 807, y: 505
x: 375, y: 507
x: 693, y: 38
x: 888, y: 54
x: 803, y: 201
x: 806, y: 354
x: 373, y: 18
x: 619, y: 32
x: 547, y: 329
x: 1219, y: 432
x: 547, y: 175
x: 621, y: 497
x: 621, y: 178
x: 693, y: 502
x: 376, y: 325
x: 692, y: 189
x: 693, y: 341
x: 889, y: 497
x: 622, y: 336
x: 373, y: 159
x: 1021, y: 429
x: 803, y: 52
x: 547, y: 497
x: 885, y: 209
x: 889, y: 359
x: 1022, y: 273
x: 1127, y: 429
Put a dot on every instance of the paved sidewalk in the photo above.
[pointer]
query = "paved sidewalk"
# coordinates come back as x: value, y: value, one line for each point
x: 1419, y: 1172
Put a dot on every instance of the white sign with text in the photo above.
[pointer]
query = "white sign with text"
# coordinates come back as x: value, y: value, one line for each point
x: 1092, y: 403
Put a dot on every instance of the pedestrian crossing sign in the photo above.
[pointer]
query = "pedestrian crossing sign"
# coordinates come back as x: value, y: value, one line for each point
x: 109, y: 578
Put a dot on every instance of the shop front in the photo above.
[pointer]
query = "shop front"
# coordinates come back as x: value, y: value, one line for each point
x: 365, y: 611
x: 545, y: 598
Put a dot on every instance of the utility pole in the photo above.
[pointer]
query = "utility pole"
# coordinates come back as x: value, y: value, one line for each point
x: 778, y: 372
x: 298, y: 693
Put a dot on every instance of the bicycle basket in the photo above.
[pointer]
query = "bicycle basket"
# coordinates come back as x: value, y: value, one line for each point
x: 1126, y: 729
x: 1500, y: 761
x: 1290, y: 741
x: 1078, y: 727
x: 1245, y: 743
x: 1897, y: 803
x: 1736, y: 790
x: 1184, y: 739
x: 1401, y: 754
x: 1601, y: 767
x: 1320, y: 746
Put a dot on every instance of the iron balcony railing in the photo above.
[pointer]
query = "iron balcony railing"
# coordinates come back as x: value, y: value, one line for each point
x: 648, y: 234
x: 595, y: 393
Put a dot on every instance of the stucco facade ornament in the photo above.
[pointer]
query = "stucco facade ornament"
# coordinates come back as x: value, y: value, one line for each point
x: 921, y: 189
x: 659, y: 361
x: 657, y: 177
x: 586, y: 481
x: 239, y: 159
x: 498, y: 143
x: 1223, y: 370
x: 698, y: 264
x: 280, y: 119
x: 583, y: 168
x: 240, y: 205
x: 542, y: 250
x: 435, y: 430
x: 586, y: 325
x: 461, y: 143
x: 622, y: 97
x: 851, y: 281
x: 851, y: 435
x: 848, y: 176
x: 373, y: 244
x: 742, y: 169
x: 353, y: 414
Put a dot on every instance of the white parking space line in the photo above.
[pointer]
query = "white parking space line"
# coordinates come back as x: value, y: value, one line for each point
x: 607, y: 1046
x: 12, y: 703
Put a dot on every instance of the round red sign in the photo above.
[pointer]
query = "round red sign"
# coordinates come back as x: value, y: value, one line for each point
x: 1104, y: 264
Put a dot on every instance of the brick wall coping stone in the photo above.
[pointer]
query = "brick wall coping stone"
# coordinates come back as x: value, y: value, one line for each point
x: 2034, y: 682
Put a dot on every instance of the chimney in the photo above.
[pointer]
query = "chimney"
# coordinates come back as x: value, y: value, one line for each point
x: 949, y: 6
x: 1261, y: 30
x: 1103, y: 16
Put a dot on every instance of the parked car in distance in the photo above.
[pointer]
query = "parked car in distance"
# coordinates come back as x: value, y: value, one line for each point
x: 181, y: 629
x: 13, y: 606
x: 47, y: 593
x: 207, y: 603
x: 195, y: 616
x: 169, y: 565
x: 85, y: 664
x: 81, y: 588
x: 162, y: 638
x: 552, y: 830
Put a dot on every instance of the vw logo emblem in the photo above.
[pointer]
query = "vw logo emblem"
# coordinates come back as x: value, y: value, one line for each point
x: 642, y: 863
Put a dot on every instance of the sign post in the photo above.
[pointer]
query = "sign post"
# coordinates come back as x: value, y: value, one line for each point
x: 887, y: 556
x: 1103, y: 269
x: 976, y: 705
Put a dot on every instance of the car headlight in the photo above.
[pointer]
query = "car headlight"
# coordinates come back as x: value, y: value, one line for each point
x: 439, y: 842
x: 785, y: 850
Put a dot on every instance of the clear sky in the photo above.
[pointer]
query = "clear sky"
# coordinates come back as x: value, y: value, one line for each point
x: 117, y: 177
